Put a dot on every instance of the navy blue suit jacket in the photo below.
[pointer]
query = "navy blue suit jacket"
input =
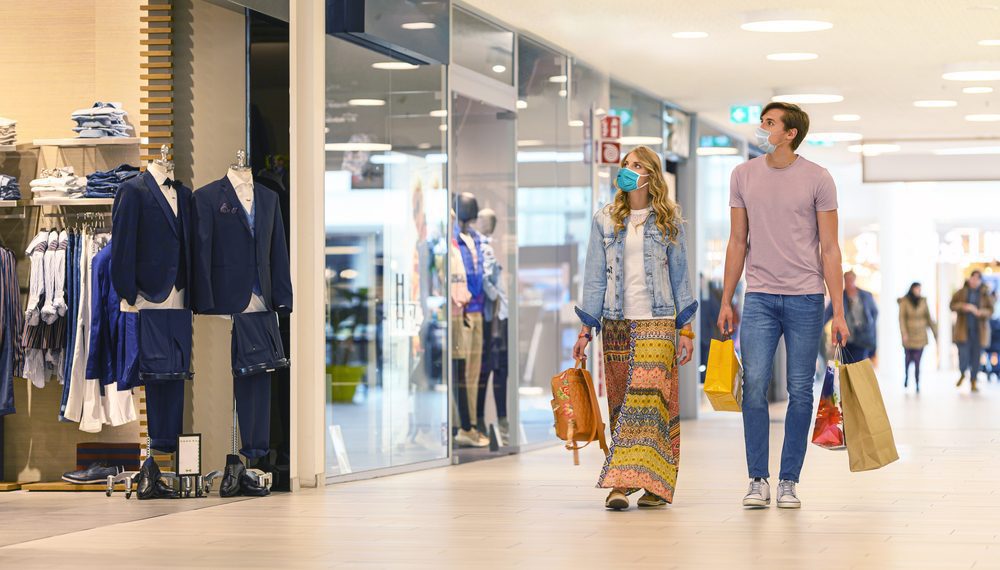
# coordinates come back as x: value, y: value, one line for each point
x: 150, y: 250
x: 225, y: 254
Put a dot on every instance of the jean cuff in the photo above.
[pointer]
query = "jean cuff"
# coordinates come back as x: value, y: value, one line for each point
x: 588, y: 319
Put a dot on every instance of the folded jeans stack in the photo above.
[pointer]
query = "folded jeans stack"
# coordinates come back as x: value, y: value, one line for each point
x: 101, y: 120
x: 58, y: 183
x: 8, y: 131
x: 9, y: 189
x: 104, y: 183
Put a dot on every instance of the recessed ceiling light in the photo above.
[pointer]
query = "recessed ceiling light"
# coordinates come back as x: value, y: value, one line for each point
x: 522, y: 104
x: 787, y: 26
x: 530, y: 142
x: 978, y: 71
x: 563, y: 92
x: 576, y: 123
x: 989, y: 43
x: 717, y: 151
x: 846, y: 118
x: 792, y: 56
x: 690, y: 35
x: 968, y: 151
x: 358, y: 146
x: 442, y: 127
x: 366, y: 102
x: 834, y: 137
x: 419, y: 26
x: 873, y: 149
x: 394, y: 65
x: 935, y: 103
x: 439, y: 113
x: 424, y: 146
x: 977, y: 90
x: 983, y: 118
x: 558, y: 79
x: 807, y: 96
x: 499, y: 68
x: 640, y: 140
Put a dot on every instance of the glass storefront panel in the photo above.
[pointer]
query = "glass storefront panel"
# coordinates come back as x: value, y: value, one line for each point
x: 482, y: 167
x: 386, y: 219
x: 482, y: 46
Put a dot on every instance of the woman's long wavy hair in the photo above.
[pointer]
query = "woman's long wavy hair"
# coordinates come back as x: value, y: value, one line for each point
x: 668, y: 212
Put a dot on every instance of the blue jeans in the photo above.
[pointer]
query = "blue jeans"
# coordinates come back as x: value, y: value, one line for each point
x: 766, y: 318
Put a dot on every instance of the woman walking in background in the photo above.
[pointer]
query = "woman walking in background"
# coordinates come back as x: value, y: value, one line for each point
x: 914, y: 320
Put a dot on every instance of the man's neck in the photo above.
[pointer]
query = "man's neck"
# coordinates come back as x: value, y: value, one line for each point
x: 782, y: 157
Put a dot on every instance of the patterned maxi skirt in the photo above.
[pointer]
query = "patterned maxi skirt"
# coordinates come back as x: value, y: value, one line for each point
x: 642, y: 398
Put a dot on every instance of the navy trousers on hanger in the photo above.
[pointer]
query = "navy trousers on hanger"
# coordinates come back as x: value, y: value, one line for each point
x: 164, y: 364
x: 256, y: 351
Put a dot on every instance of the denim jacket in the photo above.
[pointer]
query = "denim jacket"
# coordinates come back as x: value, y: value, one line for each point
x: 604, y: 280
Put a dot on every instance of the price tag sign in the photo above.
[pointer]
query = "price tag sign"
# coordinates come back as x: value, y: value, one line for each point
x: 189, y: 454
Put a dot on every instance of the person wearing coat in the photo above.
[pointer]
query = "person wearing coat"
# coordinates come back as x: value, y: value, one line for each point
x: 914, y: 320
x: 974, y: 305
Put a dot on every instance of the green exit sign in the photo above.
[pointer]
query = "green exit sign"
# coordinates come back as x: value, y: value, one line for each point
x: 744, y: 114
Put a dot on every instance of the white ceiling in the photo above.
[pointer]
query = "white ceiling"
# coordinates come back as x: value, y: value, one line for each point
x: 881, y: 55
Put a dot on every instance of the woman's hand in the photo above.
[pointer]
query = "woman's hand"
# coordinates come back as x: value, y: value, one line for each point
x: 685, y: 348
x: 580, y: 349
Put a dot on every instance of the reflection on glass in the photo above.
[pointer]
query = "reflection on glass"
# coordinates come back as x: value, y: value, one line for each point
x: 553, y: 204
x: 482, y: 46
x: 386, y: 213
x: 484, y: 314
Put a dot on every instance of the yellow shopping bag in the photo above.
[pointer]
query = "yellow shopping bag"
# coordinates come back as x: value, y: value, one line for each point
x: 724, y: 377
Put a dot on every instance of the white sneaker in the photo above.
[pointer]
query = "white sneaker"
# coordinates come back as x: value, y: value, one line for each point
x: 759, y: 494
x: 471, y: 438
x: 786, y: 496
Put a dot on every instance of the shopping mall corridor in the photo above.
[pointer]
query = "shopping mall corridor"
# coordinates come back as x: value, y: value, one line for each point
x: 938, y: 507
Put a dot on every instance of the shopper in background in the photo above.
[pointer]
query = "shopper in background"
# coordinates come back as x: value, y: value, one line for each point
x: 637, y: 291
x: 783, y: 211
x: 993, y: 352
x: 862, y: 320
x: 973, y: 304
x: 914, y: 320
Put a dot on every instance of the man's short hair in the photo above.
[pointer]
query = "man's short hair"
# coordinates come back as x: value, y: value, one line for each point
x: 977, y: 273
x: 793, y: 117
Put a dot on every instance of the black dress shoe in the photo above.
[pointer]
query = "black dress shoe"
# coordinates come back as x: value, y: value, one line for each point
x: 145, y: 482
x: 163, y: 491
x: 235, y: 470
x: 250, y: 487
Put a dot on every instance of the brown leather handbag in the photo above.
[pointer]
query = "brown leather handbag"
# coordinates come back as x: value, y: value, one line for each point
x: 576, y: 411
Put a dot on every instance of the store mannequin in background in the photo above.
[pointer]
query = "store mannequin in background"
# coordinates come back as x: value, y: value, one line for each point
x: 458, y: 294
x: 495, y: 313
x: 469, y: 243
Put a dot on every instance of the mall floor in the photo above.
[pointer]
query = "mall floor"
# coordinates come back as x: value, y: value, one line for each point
x: 938, y: 507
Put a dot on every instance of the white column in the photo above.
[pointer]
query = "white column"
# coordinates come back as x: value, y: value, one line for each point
x: 307, y: 93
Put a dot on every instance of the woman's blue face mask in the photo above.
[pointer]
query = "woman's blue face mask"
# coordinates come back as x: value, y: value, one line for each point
x: 628, y: 180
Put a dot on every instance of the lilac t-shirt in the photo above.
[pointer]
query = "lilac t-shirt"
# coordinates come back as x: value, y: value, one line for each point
x: 783, y: 255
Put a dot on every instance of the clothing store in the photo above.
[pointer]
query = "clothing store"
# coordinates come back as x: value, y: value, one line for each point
x: 421, y: 180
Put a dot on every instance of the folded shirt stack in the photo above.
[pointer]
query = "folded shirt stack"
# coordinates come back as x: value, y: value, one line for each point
x: 104, y: 184
x: 9, y: 190
x: 101, y: 120
x: 58, y: 183
x: 8, y: 131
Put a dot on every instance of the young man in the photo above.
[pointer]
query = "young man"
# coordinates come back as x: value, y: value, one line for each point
x: 973, y: 305
x: 784, y: 228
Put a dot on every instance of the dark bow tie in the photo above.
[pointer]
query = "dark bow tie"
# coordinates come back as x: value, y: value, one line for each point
x: 169, y: 183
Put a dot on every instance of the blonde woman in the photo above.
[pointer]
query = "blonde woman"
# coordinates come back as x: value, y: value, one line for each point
x: 637, y: 294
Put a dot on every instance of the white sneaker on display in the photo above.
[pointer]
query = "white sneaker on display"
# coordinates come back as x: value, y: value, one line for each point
x: 759, y: 494
x: 787, y: 498
x: 471, y: 438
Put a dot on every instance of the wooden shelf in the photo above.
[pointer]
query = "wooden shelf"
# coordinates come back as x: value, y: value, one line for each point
x: 9, y: 486
x: 75, y: 202
x: 64, y: 486
x: 11, y: 203
x: 8, y: 147
x: 103, y: 141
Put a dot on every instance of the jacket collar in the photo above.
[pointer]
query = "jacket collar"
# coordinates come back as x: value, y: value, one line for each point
x: 234, y: 201
x: 161, y: 200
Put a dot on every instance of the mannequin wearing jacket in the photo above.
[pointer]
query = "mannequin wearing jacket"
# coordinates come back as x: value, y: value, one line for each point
x: 241, y: 265
x: 470, y: 246
x: 150, y: 269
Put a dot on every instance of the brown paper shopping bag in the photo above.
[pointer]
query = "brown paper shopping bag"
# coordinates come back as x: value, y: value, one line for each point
x: 870, y: 444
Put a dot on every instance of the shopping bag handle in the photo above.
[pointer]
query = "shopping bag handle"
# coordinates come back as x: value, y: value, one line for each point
x: 582, y: 364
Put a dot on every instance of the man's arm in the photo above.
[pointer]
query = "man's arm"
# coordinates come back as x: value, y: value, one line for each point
x: 736, y: 256
x: 833, y: 272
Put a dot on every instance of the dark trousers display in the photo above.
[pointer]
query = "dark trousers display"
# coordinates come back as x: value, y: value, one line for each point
x: 253, y: 407
x: 494, y: 362
x: 165, y: 413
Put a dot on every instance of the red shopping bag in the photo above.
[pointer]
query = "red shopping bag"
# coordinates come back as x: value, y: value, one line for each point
x: 828, y: 431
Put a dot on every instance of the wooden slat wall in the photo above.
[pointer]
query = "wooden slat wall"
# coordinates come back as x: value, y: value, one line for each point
x: 157, y: 75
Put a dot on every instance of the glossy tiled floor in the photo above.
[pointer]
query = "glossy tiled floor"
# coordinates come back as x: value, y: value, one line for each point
x: 939, y: 507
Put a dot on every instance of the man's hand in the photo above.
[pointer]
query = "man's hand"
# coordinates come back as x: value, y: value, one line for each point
x: 727, y: 324
x: 685, y: 347
x: 838, y: 331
